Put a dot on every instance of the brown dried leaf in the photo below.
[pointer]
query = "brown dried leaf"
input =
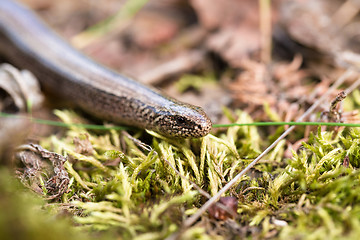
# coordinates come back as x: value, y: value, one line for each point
x: 231, y: 203
x: 151, y: 29
x: 33, y: 156
x: 19, y: 88
x: 83, y: 146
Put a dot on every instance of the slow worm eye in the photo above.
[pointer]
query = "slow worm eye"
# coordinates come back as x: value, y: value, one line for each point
x: 180, y: 120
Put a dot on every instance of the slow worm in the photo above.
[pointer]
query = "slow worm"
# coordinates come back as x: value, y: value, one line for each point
x: 28, y: 43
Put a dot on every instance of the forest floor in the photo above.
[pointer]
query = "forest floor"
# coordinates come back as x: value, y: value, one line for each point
x: 242, y: 62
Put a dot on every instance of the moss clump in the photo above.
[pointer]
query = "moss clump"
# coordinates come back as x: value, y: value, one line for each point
x: 143, y: 190
x: 23, y: 215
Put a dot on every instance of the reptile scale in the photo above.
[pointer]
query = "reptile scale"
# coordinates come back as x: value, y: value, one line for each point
x: 28, y: 43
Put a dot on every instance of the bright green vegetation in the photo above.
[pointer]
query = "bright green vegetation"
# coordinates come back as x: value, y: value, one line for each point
x: 119, y: 188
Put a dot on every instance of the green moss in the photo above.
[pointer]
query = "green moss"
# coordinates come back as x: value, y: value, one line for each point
x: 142, y: 191
x: 23, y: 215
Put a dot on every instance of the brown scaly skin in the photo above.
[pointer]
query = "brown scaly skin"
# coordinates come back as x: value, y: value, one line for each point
x: 61, y: 70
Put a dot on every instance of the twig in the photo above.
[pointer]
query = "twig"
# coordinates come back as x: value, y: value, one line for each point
x: 265, y: 29
x: 353, y: 86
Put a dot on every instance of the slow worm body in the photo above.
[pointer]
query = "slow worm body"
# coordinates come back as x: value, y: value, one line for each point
x: 28, y: 43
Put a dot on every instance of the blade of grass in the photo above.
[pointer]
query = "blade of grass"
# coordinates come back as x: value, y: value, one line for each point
x: 102, y: 127
x: 62, y: 124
